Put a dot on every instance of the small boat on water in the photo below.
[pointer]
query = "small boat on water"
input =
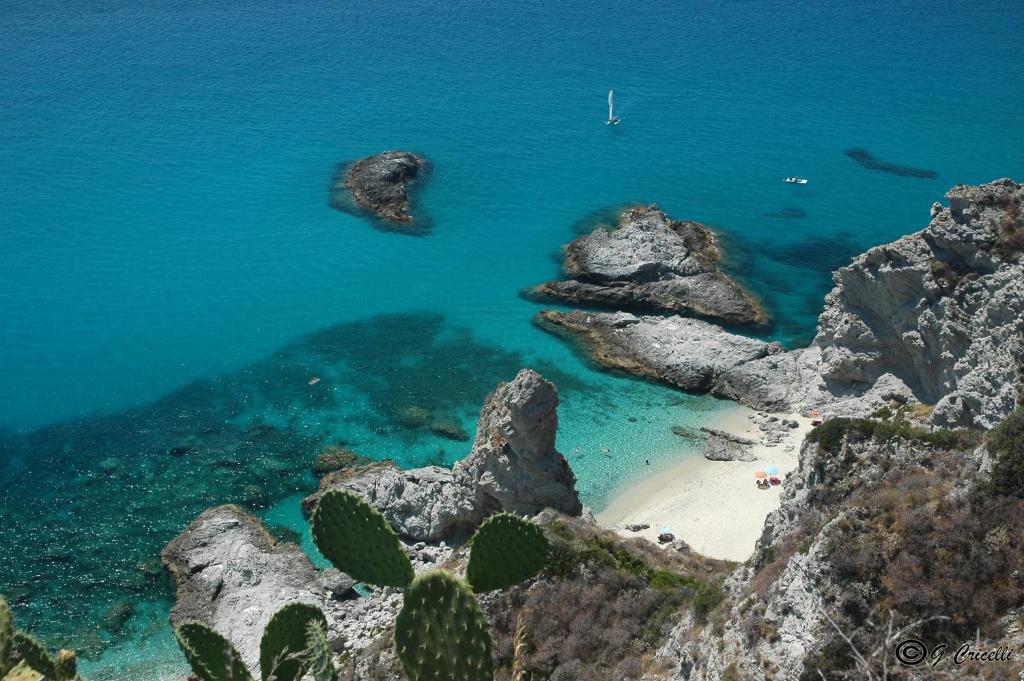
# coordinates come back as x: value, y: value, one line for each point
x: 796, y: 180
x: 612, y: 118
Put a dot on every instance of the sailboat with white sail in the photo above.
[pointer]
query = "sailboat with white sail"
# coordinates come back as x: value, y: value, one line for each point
x: 612, y: 118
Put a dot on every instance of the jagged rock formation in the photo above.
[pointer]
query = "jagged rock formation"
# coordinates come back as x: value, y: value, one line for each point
x: 379, y: 184
x: 936, y: 317
x: 942, y: 309
x: 652, y: 262
x: 512, y: 467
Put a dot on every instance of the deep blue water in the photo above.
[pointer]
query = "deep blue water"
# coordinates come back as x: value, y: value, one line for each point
x: 169, y: 265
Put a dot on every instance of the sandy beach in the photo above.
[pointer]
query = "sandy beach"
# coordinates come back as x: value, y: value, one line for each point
x: 714, y: 506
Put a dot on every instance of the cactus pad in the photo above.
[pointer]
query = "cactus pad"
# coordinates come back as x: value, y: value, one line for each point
x: 506, y: 550
x: 318, y: 653
x: 440, y: 634
x: 283, y: 646
x: 210, y: 655
x: 66, y: 665
x: 355, y: 537
x: 23, y: 673
x: 31, y: 651
x: 6, y: 634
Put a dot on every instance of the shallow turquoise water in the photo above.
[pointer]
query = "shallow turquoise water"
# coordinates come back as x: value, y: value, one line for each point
x: 171, y: 270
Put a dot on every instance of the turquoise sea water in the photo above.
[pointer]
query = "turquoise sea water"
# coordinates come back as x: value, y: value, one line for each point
x: 171, y: 275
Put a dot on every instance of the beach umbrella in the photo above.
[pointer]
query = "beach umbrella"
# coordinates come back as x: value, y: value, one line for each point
x: 760, y: 474
x: 773, y: 470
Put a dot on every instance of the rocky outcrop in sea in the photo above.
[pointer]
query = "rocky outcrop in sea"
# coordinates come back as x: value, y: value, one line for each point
x: 935, y: 318
x: 651, y: 262
x: 379, y: 185
x: 513, y: 467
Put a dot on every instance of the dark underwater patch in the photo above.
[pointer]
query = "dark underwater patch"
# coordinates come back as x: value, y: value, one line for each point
x: 788, y: 213
x: 83, y: 523
x: 607, y: 218
x: 869, y: 161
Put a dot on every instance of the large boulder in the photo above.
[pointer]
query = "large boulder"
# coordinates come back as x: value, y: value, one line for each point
x: 513, y: 467
x: 653, y: 262
x: 232, y: 575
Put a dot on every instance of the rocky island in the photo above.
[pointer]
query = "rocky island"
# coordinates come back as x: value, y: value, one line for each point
x: 651, y: 262
x: 379, y: 185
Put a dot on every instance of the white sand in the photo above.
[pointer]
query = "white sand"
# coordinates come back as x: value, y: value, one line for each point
x: 714, y: 506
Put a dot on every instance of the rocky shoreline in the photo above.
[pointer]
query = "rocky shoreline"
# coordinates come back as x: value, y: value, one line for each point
x: 651, y: 262
x: 935, y: 318
x: 232, y: 574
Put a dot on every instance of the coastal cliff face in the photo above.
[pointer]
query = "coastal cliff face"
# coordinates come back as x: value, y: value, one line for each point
x: 935, y: 318
x: 652, y: 262
x: 942, y: 310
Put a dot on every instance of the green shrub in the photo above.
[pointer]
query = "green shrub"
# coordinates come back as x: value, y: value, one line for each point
x: 708, y: 596
x: 1006, y: 444
x: 830, y: 434
x: 882, y: 413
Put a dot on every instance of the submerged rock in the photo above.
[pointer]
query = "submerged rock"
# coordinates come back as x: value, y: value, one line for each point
x: 117, y: 616
x: 936, y: 318
x: 448, y: 427
x: 512, y: 467
x: 334, y: 459
x: 652, y: 262
x: 379, y: 184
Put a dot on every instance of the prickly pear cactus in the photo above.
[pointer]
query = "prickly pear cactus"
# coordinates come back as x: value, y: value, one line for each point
x: 506, y: 550
x: 23, y: 672
x: 66, y: 665
x: 440, y: 634
x: 355, y: 537
x: 318, y: 653
x: 6, y: 634
x: 210, y: 655
x: 283, y: 646
x: 32, y: 652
